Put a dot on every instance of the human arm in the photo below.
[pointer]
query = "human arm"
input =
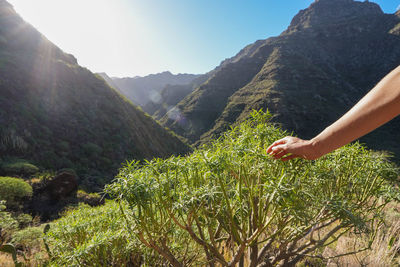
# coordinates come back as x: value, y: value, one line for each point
x: 376, y: 108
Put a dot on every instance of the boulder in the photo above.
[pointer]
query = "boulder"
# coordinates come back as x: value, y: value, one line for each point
x: 62, y: 185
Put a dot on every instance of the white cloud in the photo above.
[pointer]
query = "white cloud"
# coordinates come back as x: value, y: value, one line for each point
x: 398, y: 8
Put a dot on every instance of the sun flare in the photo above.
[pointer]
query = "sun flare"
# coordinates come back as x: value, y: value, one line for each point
x: 99, y: 33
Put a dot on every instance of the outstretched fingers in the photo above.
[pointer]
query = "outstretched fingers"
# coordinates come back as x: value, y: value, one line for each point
x: 293, y: 147
x: 287, y: 148
x: 279, y: 154
x: 275, y: 145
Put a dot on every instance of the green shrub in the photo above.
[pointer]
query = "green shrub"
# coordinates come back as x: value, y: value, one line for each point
x: 63, y: 145
x: 92, y: 149
x: 24, y: 220
x: 14, y: 191
x: 44, y: 176
x: 21, y: 168
x: 28, y: 238
x: 7, y: 224
x: 88, y: 236
x: 92, y: 199
x: 231, y: 203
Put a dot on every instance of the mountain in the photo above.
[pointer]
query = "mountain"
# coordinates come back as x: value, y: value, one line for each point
x: 109, y: 80
x: 144, y: 90
x: 331, y: 55
x: 57, y: 114
x: 171, y: 95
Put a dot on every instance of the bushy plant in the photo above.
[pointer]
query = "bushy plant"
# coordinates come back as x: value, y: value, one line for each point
x: 92, y: 149
x: 28, y: 238
x: 7, y: 224
x: 45, y: 175
x: 92, y: 199
x: 88, y: 236
x: 21, y: 168
x: 239, y: 206
x: 14, y: 191
x: 24, y: 220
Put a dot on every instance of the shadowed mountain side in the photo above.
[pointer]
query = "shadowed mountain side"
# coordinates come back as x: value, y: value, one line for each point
x: 143, y: 90
x: 109, y: 81
x: 57, y: 114
x: 198, y: 111
x: 171, y: 95
x: 330, y: 56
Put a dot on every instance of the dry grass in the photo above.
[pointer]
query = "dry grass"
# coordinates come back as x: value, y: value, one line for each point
x: 37, y: 258
x: 6, y: 260
x: 384, y: 250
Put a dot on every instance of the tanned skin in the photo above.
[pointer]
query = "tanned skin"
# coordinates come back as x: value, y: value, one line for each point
x: 376, y: 108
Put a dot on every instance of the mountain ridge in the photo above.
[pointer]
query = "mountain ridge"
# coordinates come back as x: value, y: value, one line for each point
x: 142, y: 90
x: 308, y: 76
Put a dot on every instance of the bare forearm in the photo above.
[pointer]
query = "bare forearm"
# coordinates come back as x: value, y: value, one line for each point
x: 379, y: 106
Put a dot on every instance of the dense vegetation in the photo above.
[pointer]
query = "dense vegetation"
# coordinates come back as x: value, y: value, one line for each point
x: 13, y: 191
x: 229, y: 203
x: 331, y: 54
x: 92, y: 237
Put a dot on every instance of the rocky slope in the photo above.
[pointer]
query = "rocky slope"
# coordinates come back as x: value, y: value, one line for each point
x: 56, y: 114
x: 331, y: 54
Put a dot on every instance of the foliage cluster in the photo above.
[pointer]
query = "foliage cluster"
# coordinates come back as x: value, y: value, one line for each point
x: 8, y: 224
x: 92, y: 199
x: 229, y: 203
x: 14, y: 191
x: 20, y: 168
x: 88, y: 236
x: 20, y: 237
x: 28, y: 238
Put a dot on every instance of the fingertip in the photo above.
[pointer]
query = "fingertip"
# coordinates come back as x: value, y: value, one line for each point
x: 269, y: 149
x: 279, y: 155
x: 273, y: 149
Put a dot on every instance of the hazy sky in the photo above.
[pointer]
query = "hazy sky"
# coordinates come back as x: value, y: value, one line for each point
x: 139, y: 37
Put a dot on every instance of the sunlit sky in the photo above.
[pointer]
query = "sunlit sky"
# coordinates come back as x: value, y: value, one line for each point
x: 139, y: 37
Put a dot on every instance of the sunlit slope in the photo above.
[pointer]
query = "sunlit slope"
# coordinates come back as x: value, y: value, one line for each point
x: 331, y: 54
x: 59, y: 115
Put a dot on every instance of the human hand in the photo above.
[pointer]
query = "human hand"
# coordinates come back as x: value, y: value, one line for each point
x: 292, y: 147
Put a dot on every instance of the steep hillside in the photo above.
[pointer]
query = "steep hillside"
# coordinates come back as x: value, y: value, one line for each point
x: 57, y: 114
x: 171, y: 95
x: 331, y: 54
x: 109, y: 80
x: 142, y: 90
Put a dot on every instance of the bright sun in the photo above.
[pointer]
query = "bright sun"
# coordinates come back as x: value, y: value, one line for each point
x: 102, y: 34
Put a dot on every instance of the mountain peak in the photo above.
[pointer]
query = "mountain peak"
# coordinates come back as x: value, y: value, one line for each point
x: 324, y: 12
